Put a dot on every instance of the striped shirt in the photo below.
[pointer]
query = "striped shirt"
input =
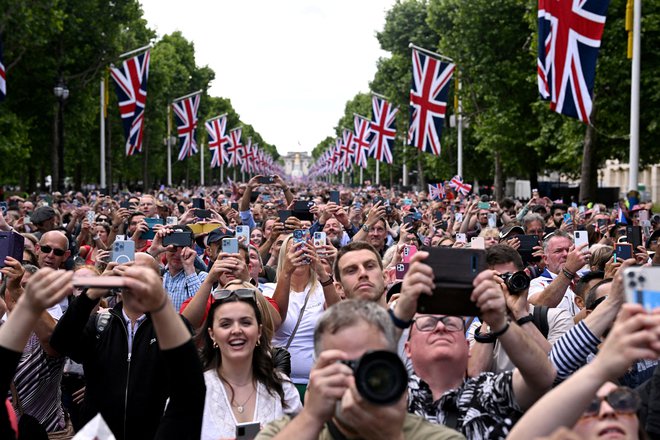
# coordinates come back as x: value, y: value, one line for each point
x: 37, y: 381
x: 180, y: 287
x: 572, y: 350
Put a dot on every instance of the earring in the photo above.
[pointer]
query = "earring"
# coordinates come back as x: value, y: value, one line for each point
x: 215, y: 344
x: 258, y: 342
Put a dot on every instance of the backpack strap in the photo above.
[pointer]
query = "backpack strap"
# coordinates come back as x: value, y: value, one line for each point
x: 541, y: 320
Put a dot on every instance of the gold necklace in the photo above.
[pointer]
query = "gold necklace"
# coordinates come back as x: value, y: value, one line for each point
x: 240, y: 408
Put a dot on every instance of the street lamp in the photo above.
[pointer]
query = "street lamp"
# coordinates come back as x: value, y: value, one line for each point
x: 61, y: 92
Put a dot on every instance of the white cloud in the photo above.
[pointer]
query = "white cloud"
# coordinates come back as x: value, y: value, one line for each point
x: 288, y: 66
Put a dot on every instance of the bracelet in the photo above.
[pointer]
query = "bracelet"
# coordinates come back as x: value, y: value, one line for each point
x: 568, y: 274
x: 399, y: 323
x: 328, y: 282
x: 524, y: 320
x: 488, y: 338
x: 162, y: 306
x: 501, y: 332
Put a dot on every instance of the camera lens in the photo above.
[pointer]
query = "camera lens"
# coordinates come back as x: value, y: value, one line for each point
x: 516, y: 282
x: 381, y: 377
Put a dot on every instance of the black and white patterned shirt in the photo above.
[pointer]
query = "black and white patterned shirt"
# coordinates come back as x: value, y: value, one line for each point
x: 486, y: 408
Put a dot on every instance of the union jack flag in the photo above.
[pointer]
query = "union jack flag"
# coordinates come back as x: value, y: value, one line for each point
x: 569, y: 39
x: 347, y: 150
x: 131, y: 86
x: 337, y: 162
x: 457, y: 184
x: 383, y: 129
x: 3, y: 76
x: 185, y: 116
x: 361, y: 140
x: 428, y: 101
x: 235, y: 148
x: 436, y: 191
x: 249, y: 156
x: 217, y: 140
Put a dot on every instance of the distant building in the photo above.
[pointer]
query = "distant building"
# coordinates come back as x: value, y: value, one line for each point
x: 297, y: 164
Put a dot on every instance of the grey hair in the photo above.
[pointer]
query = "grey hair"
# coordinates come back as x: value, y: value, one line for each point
x: 532, y: 217
x: 350, y: 312
x: 556, y: 233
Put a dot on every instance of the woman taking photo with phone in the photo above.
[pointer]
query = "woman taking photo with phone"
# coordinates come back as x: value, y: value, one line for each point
x: 242, y: 382
x: 304, y: 289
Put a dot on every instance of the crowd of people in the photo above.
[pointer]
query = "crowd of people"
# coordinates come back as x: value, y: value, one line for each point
x: 290, y: 310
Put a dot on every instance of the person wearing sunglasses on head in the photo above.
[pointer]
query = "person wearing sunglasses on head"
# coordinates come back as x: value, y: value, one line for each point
x: 588, y: 402
x: 242, y: 382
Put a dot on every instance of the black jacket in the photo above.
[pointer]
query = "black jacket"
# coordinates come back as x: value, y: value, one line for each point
x: 128, y: 390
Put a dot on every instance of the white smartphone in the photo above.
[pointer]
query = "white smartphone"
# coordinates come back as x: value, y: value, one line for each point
x: 90, y: 216
x: 461, y: 237
x: 230, y: 245
x: 492, y: 220
x: 458, y: 217
x: 477, y: 243
x: 642, y: 286
x: 171, y: 220
x: 123, y: 251
x: 243, y: 234
x: 580, y: 238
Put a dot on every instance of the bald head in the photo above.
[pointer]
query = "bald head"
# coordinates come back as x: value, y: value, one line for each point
x: 142, y: 259
x: 53, y: 249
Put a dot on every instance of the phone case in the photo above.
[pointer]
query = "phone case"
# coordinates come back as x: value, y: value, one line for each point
x: 123, y: 251
x: 401, y: 270
x: 642, y: 286
x: 12, y: 245
x: 230, y: 245
x: 408, y: 252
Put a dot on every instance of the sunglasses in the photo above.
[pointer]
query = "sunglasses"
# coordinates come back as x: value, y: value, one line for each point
x: 223, y: 294
x: 47, y: 250
x: 622, y: 400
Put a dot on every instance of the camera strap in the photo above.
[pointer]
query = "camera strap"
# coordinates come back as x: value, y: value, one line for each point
x: 335, y: 433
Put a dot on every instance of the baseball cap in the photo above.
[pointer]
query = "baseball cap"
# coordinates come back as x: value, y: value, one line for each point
x: 215, y: 235
x: 510, y: 231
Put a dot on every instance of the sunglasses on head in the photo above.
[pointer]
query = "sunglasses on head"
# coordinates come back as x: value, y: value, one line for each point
x: 47, y: 250
x: 622, y: 400
x: 222, y: 294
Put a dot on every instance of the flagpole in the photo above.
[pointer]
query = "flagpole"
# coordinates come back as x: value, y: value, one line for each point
x: 187, y: 96
x: 102, y: 128
x: 377, y: 172
x: 131, y: 52
x: 460, y: 130
x: 361, y: 175
x: 169, y: 146
x: 633, y: 177
x: 201, y: 164
x: 222, y: 173
x: 421, y: 49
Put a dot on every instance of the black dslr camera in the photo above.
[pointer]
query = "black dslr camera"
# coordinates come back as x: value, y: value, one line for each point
x: 516, y: 282
x: 380, y: 376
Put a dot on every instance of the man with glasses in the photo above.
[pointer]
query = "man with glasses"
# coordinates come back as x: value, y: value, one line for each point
x: 485, y: 406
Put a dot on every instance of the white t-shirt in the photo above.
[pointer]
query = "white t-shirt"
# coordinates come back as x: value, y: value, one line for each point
x: 539, y: 284
x: 219, y: 421
x: 302, y: 346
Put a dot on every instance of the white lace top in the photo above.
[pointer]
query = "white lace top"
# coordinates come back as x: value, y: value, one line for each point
x: 219, y: 421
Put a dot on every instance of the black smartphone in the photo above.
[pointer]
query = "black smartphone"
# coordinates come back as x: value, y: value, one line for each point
x: 334, y: 197
x: 234, y: 206
x: 202, y: 213
x: 602, y: 223
x: 623, y: 251
x: 178, y: 238
x: 198, y: 203
x: 254, y: 196
x: 11, y: 245
x: 526, y: 249
x: 284, y: 214
x: 454, y: 271
x: 125, y: 204
x: 634, y: 236
x: 265, y: 180
x: 302, y: 205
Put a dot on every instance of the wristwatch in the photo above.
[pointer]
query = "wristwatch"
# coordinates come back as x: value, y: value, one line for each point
x: 365, y: 227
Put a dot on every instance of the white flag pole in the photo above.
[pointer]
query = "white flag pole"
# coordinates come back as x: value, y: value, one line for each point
x: 169, y: 146
x: 102, y: 133
x: 460, y: 130
x: 201, y: 164
x: 633, y: 178
x: 377, y: 172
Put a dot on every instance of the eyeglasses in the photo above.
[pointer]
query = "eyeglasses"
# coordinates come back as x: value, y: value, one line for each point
x: 428, y: 323
x: 622, y: 400
x: 269, y: 207
x: 223, y: 294
x: 47, y: 250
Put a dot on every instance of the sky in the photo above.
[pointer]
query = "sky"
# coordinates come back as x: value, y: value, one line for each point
x: 288, y: 66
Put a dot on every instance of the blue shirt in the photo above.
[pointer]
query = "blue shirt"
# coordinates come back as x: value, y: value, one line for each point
x: 180, y: 287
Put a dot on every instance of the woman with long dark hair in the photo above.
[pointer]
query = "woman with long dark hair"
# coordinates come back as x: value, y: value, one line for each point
x: 242, y: 383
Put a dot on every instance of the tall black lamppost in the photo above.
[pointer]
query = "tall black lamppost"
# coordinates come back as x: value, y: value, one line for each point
x: 61, y: 93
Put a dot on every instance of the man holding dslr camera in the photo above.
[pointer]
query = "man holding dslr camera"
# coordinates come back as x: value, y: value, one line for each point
x: 485, y: 406
x: 334, y: 408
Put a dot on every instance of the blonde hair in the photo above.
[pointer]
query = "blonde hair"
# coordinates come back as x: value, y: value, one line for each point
x: 489, y: 232
x: 280, y: 262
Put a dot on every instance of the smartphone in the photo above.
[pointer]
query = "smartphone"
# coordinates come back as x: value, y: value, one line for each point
x: 483, y: 205
x: 408, y: 251
x: 454, y: 271
x: 150, y: 234
x: 492, y: 220
x: 234, y: 206
x: 301, y: 236
x: 98, y: 281
x: 401, y: 270
x: 623, y: 251
x: 178, y: 238
x: 265, y: 180
x: 580, y: 238
x: 247, y: 431
x: 334, y: 197
x: 527, y: 244
x: 477, y: 243
x: 319, y: 239
x: 461, y: 237
x: 634, y: 234
x: 202, y: 213
x: 438, y: 215
x: 243, y: 234
x: 3, y: 207
x: 567, y: 218
x: 642, y: 286
x: 230, y: 245
x: 123, y: 251
x: 12, y: 245
x: 643, y: 215
x: 357, y: 205
x: 91, y: 215
x: 265, y: 197
x: 302, y: 205
x: 284, y: 214
x: 458, y: 217
x: 125, y: 204
x: 408, y: 202
x: 198, y: 203
x: 171, y: 220
x: 602, y: 224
